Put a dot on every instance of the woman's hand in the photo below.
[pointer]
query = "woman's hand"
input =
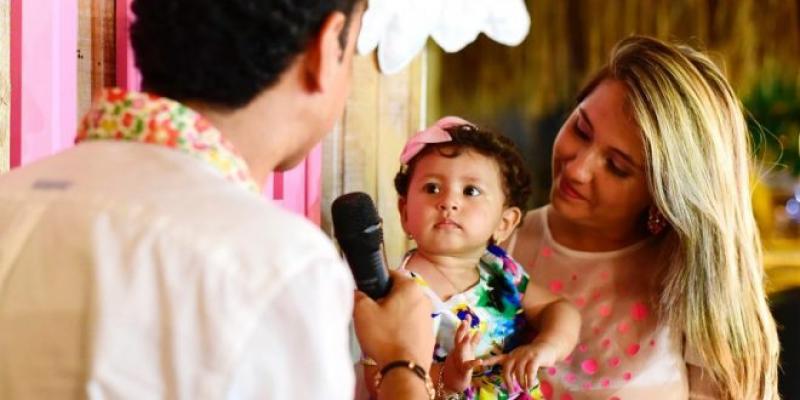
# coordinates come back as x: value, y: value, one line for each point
x: 459, y: 364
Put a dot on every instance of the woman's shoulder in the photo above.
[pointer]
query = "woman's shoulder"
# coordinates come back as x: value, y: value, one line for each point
x: 534, y: 223
x: 526, y: 239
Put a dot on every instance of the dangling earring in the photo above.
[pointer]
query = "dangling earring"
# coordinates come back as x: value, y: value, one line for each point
x: 655, y: 220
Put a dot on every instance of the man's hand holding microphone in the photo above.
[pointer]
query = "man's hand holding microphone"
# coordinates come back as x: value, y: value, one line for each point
x: 392, y: 315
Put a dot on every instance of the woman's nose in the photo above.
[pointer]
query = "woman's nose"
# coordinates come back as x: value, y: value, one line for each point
x: 581, y: 167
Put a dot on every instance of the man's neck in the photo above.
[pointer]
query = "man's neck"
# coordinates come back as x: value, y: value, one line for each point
x: 267, y: 132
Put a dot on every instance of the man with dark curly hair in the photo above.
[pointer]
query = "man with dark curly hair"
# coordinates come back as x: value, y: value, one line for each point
x: 144, y: 263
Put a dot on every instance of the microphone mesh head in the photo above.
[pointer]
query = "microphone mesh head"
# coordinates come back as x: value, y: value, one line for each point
x: 352, y: 213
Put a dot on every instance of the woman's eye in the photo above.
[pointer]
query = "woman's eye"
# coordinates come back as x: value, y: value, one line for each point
x: 616, y: 170
x: 580, y: 132
x: 472, y: 191
x: 431, y: 188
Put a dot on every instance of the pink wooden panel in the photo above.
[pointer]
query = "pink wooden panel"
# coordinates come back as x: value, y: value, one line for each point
x: 44, y: 74
x: 298, y: 190
x: 294, y: 184
x: 313, y: 186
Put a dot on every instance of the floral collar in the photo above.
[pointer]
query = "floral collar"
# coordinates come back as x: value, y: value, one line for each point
x: 147, y: 118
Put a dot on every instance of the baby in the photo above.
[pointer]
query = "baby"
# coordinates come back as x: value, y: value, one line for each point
x: 461, y: 191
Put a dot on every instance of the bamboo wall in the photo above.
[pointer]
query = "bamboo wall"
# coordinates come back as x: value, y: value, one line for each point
x: 5, y: 84
x: 570, y: 39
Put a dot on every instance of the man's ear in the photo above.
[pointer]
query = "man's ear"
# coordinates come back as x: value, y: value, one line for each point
x: 325, y: 53
x: 509, y: 221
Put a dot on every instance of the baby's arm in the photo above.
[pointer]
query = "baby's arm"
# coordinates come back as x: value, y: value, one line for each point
x: 558, y: 323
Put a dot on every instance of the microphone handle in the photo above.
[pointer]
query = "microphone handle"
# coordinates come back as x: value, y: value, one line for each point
x: 370, y: 273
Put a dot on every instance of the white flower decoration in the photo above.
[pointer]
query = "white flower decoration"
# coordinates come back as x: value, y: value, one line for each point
x: 400, y: 28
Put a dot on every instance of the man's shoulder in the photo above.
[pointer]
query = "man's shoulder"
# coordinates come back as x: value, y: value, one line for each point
x: 142, y: 191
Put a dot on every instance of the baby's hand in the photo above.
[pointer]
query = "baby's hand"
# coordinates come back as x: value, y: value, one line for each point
x: 520, y: 366
x: 461, y: 361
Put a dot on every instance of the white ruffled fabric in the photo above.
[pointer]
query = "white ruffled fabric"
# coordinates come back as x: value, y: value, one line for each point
x: 400, y: 28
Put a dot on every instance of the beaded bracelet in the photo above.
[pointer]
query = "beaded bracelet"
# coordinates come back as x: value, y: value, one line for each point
x: 416, y: 369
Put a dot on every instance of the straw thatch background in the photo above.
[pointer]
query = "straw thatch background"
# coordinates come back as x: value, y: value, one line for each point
x: 525, y: 91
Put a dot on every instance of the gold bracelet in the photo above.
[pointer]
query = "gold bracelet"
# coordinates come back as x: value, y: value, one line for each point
x: 414, y: 367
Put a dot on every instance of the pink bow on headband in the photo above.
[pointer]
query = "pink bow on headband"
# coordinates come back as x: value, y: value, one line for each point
x: 436, y: 133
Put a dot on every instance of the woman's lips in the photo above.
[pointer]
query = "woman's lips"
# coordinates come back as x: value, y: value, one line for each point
x: 569, y: 191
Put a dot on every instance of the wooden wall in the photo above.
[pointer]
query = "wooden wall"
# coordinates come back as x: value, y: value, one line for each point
x: 362, y: 154
x: 96, y: 50
x: 5, y: 84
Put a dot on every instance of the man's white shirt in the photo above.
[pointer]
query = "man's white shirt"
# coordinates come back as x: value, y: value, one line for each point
x: 130, y: 270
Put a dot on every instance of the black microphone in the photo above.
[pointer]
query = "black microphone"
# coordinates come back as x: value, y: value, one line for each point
x: 359, y: 231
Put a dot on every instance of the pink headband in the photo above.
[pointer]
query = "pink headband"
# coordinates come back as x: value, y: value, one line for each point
x: 436, y: 133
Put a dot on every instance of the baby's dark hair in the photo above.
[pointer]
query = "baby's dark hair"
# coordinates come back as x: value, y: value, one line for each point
x: 516, y: 178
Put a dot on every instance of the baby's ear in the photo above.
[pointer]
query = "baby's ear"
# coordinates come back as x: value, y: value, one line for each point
x: 509, y: 221
x: 401, y: 207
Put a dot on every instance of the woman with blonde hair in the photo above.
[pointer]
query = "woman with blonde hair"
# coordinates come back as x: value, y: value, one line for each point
x: 650, y: 233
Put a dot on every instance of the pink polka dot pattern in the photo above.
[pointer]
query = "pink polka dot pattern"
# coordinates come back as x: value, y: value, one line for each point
x: 547, y: 389
x: 566, y: 396
x: 570, y: 377
x: 606, y: 343
x: 556, y: 286
x: 623, y: 327
x: 605, y: 383
x: 552, y: 371
x: 605, y: 310
x: 568, y: 359
x: 589, y: 366
x: 587, y: 386
x: 627, y: 376
x: 639, y: 312
x: 613, y: 362
x: 580, y: 302
x: 633, y: 349
x: 583, y: 347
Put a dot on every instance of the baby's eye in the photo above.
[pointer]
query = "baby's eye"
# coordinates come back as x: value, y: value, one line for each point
x: 430, y: 188
x: 472, y: 191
